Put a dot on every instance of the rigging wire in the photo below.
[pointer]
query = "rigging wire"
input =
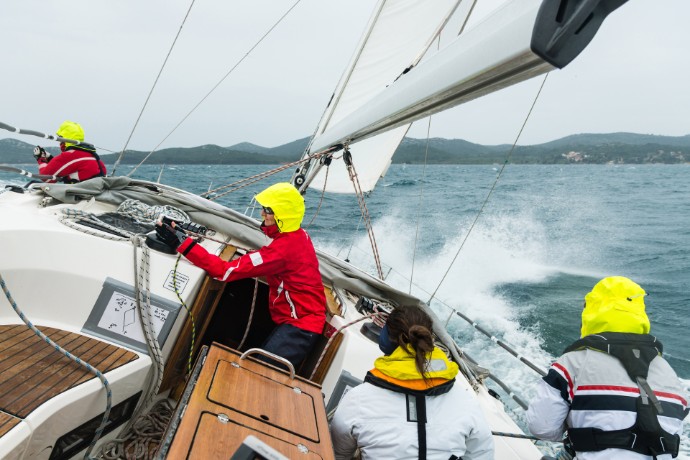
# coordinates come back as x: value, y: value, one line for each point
x: 234, y: 186
x: 363, y: 209
x: 122, y: 153
x: 323, y: 192
x: 421, y: 202
x: 215, y: 87
x: 491, y: 190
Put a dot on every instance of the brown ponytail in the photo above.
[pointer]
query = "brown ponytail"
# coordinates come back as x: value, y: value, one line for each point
x: 412, y: 326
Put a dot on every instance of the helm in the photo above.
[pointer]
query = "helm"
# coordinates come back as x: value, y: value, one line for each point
x: 71, y: 130
x: 287, y: 205
x: 616, y: 304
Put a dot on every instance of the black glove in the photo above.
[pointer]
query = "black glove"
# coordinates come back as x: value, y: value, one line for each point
x: 39, y: 153
x: 171, y: 236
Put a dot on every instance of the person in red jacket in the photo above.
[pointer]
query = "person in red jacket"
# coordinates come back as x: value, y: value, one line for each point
x: 297, y: 302
x: 76, y: 162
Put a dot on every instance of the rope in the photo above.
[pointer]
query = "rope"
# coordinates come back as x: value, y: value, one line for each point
x: 144, y: 436
x: 143, y: 300
x: 251, y: 314
x: 330, y: 339
x: 257, y: 177
x: 93, y: 370
x: 141, y: 289
x: 122, y: 153
x: 491, y: 190
x: 363, y: 209
x: 189, y: 313
x: 215, y: 87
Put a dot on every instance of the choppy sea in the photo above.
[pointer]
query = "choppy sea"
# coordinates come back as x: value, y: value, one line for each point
x: 518, y: 264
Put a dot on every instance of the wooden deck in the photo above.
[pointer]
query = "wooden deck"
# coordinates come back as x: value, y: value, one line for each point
x: 32, y: 372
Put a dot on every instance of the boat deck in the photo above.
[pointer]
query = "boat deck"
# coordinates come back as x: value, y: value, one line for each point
x: 32, y: 372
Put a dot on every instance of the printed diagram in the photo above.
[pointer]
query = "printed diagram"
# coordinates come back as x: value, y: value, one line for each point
x: 120, y: 317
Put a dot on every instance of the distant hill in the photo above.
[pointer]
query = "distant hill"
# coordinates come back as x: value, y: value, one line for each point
x: 578, y: 148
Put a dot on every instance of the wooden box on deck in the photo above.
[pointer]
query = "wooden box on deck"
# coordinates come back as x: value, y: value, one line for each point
x: 232, y: 398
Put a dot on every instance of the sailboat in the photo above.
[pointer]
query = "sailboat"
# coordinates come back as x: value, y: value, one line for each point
x: 118, y: 323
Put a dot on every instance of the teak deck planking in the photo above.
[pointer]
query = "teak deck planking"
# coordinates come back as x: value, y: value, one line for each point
x: 32, y: 372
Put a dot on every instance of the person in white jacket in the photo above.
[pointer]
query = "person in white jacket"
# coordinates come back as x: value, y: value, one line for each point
x: 612, y: 391
x: 408, y: 407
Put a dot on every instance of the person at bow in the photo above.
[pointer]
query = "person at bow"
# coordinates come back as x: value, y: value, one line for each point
x: 410, y: 405
x: 611, y: 391
x: 297, y: 302
x: 76, y: 162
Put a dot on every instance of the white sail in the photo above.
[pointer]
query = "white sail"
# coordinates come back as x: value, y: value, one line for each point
x: 379, y: 61
x: 478, y: 62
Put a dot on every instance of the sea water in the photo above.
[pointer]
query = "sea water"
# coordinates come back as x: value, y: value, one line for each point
x: 515, y: 252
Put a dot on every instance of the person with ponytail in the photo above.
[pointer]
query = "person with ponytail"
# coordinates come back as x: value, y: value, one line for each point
x: 410, y: 406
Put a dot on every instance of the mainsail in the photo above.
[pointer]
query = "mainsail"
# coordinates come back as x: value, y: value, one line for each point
x: 518, y: 41
x: 396, y: 38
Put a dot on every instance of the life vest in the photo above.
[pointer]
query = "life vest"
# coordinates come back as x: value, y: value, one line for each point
x: 88, y: 148
x: 646, y: 436
x: 397, y: 372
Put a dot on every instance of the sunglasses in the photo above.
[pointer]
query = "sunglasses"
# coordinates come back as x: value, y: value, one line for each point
x: 267, y: 210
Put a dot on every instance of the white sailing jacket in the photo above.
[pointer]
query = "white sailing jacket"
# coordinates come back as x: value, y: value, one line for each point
x: 381, y: 417
x: 588, y: 388
x: 377, y: 418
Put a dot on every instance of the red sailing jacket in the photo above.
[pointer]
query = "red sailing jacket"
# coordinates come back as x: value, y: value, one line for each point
x: 291, y: 269
x: 73, y: 165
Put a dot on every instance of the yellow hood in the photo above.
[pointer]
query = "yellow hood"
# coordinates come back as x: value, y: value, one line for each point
x: 616, y: 304
x: 71, y: 130
x: 287, y: 205
x: 400, y: 365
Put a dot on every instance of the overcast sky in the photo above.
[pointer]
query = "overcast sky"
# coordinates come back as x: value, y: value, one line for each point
x: 94, y: 62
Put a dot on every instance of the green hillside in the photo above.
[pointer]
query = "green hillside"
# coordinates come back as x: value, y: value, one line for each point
x: 576, y: 149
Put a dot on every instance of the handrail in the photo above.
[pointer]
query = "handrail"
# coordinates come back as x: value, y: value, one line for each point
x: 281, y: 360
x: 502, y: 344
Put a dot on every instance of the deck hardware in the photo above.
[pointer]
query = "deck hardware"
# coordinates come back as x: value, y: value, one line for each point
x: 302, y: 448
x: 297, y: 390
x: 234, y: 364
x: 281, y: 360
x: 222, y: 418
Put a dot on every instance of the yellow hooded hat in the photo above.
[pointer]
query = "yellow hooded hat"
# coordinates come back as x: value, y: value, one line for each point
x: 71, y: 130
x: 616, y: 304
x: 287, y: 205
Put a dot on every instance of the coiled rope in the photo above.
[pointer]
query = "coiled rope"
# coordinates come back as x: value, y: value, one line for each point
x: 143, y: 438
x: 76, y: 359
x: 123, y: 446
